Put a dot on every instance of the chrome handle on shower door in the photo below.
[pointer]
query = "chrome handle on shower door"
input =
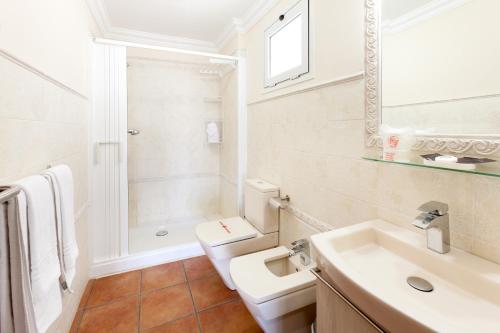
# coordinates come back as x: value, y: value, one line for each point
x: 97, y: 146
x: 133, y: 131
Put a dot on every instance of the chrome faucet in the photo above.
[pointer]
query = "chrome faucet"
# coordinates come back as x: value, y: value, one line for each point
x: 434, y: 219
x: 302, y: 246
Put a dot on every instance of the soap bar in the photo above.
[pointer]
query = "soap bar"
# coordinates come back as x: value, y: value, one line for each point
x: 447, y: 159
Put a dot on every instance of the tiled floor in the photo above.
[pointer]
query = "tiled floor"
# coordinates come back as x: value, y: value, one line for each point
x: 182, y: 297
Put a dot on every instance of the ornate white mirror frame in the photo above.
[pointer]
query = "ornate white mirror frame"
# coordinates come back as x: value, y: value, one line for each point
x: 459, y: 144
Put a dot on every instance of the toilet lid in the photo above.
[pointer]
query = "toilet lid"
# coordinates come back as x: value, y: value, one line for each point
x: 225, y: 231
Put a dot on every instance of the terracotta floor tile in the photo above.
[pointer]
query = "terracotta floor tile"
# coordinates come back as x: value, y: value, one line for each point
x: 113, y: 287
x: 76, y: 321
x: 210, y: 291
x: 164, y: 305
x: 117, y: 317
x: 86, y: 294
x: 162, y: 276
x: 185, y: 325
x: 228, y: 318
x: 198, y: 267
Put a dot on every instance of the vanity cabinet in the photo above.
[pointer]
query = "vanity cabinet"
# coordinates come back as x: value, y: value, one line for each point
x: 335, y: 314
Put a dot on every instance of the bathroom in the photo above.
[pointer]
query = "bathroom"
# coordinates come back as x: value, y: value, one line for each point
x: 251, y: 166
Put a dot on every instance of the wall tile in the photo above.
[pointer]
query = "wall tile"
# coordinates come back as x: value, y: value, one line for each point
x: 174, y: 172
x: 43, y: 124
x: 313, y: 150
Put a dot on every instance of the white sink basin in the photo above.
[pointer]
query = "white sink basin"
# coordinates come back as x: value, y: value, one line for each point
x: 370, y: 262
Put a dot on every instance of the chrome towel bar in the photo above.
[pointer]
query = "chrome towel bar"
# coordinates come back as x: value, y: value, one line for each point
x: 317, y: 273
x: 8, y: 192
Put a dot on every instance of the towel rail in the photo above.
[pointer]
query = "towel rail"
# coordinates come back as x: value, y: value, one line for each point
x: 8, y: 192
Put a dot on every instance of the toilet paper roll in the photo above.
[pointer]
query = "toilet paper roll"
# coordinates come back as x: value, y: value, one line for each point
x: 277, y: 203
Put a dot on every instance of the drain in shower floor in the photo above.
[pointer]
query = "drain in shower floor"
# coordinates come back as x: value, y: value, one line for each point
x: 161, y: 233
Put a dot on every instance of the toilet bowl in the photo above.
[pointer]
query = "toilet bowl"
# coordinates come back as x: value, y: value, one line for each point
x: 277, y: 289
x: 227, y: 238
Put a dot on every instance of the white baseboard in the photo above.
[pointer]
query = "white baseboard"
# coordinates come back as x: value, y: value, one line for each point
x: 146, y: 259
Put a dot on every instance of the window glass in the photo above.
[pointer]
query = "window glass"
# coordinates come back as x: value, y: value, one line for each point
x: 286, y: 47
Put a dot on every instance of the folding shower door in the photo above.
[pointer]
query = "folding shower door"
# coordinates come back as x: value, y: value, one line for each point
x: 109, y: 232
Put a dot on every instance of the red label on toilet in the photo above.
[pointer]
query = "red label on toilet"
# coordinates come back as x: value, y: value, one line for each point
x: 225, y: 227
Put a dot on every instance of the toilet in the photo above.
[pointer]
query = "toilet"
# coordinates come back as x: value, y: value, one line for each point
x: 228, y: 238
x: 277, y: 289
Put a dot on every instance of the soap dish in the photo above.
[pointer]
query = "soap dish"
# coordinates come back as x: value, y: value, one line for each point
x: 462, y: 163
x: 459, y: 166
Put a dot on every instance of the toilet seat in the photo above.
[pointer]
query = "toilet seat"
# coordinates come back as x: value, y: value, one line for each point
x: 222, y: 240
x: 258, y: 284
x: 225, y: 231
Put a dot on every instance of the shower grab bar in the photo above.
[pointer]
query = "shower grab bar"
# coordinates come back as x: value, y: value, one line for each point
x: 97, y: 146
x: 8, y: 192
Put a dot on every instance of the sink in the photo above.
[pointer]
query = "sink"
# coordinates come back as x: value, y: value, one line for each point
x: 370, y: 263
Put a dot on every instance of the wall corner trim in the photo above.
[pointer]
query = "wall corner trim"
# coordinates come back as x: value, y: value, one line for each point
x: 10, y: 57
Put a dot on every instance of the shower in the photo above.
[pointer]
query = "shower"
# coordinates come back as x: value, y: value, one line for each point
x: 175, y: 115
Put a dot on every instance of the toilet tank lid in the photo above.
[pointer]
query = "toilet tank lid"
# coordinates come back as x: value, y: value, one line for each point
x: 261, y: 185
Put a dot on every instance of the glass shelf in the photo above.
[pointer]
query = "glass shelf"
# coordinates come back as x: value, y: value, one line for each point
x: 491, y: 169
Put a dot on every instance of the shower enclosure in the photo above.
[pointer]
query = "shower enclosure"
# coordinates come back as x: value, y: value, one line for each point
x: 175, y: 174
x: 176, y: 117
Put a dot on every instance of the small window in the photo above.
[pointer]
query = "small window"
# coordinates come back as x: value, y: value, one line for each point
x: 287, y: 45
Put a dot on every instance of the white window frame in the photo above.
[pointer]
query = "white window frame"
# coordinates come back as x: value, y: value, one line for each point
x: 300, y: 8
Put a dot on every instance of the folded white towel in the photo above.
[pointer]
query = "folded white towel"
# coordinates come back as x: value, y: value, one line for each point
x: 40, y: 234
x: 23, y: 309
x: 61, y: 180
x: 213, y: 134
x: 6, y: 311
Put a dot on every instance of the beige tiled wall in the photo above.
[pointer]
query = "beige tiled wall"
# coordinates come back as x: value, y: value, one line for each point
x: 44, y: 124
x: 44, y: 107
x: 311, y: 144
x: 473, y: 200
x: 173, y: 171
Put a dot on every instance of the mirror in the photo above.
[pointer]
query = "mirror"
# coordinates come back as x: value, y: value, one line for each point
x: 439, y: 66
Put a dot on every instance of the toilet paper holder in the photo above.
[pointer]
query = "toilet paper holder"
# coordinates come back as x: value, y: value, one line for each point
x: 279, y: 202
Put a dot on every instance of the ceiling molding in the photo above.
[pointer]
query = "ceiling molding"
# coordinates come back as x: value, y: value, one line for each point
x: 98, y: 10
x: 244, y: 24
x: 137, y: 36
x: 257, y: 12
x: 420, y: 14
x: 100, y: 15
x: 237, y: 25
x: 229, y: 32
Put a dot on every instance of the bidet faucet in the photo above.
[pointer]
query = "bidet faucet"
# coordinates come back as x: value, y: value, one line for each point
x: 434, y: 219
x: 302, y: 246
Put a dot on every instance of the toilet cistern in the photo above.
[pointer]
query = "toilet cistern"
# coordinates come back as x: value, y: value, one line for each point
x: 301, y: 247
x: 434, y: 219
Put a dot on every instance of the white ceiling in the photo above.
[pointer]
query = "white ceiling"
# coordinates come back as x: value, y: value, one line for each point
x: 194, y: 19
x: 179, y: 23
x: 392, y: 9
